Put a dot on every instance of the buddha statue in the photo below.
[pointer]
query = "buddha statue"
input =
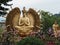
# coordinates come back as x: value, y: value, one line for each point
x: 55, y: 28
x: 24, y: 26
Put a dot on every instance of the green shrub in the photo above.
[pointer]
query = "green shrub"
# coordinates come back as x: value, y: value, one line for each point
x: 30, y: 41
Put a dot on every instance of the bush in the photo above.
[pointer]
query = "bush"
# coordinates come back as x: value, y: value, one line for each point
x: 30, y: 41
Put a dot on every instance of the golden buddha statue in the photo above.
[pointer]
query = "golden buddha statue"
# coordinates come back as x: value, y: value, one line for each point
x: 55, y: 28
x: 24, y: 26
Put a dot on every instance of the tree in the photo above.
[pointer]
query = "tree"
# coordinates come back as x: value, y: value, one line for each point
x: 57, y: 17
x: 47, y: 20
x: 3, y: 9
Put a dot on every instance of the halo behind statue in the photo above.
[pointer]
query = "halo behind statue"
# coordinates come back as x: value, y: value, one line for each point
x: 12, y: 18
x: 35, y: 19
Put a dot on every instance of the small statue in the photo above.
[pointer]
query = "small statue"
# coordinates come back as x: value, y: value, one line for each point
x: 24, y: 10
x: 55, y: 28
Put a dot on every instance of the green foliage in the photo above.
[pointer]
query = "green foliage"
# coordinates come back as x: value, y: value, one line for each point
x: 47, y: 20
x: 1, y: 30
x: 57, y: 18
x: 31, y: 41
x: 4, y: 1
x: 3, y: 9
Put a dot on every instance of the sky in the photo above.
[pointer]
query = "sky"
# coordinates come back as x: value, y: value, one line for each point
x: 47, y: 5
x: 2, y: 19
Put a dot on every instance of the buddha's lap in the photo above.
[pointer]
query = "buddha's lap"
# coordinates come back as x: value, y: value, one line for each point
x: 24, y: 27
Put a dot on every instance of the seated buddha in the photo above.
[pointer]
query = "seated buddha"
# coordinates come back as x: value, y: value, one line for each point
x: 24, y: 26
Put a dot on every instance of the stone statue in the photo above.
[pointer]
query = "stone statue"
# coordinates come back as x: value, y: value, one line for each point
x: 55, y: 28
x: 24, y: 25
x: 24, y: 10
